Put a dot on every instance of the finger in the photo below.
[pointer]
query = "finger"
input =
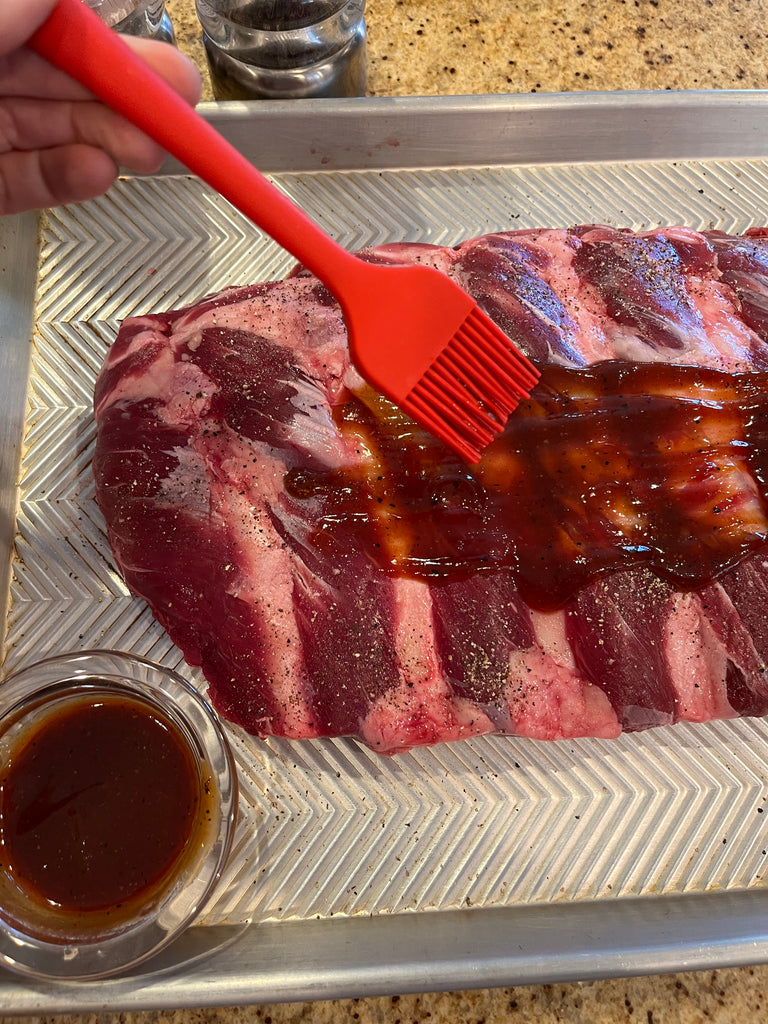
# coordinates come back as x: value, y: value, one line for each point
x: 51, y: 177
x: 23, y: 73
x: 29, y: 125
x: 178, y: 70
x: 19, y: 19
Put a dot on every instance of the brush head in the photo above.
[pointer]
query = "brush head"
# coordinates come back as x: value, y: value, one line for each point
x: 424, y: 343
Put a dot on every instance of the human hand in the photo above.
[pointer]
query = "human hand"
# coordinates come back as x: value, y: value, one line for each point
x: 57, y: 143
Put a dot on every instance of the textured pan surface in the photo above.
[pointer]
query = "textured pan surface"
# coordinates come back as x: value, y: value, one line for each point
x: 328, y: 828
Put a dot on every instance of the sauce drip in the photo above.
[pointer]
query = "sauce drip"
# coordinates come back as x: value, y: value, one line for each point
x: 97, y: 804
x: 602, y: 469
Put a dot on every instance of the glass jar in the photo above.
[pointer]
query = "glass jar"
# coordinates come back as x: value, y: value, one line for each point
x: 284, y: 49
x: 145, y: 18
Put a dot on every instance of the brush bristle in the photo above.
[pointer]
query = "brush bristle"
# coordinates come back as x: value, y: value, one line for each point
x: 466, y: 396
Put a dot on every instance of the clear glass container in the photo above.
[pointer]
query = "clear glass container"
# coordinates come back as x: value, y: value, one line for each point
x: 145, y: 18
x: 284, y: 49
x: 45, y: 935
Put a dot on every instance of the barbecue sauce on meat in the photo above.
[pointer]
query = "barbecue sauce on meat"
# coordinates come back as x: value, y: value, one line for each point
x: 604, y: 468
x: 98, y: 803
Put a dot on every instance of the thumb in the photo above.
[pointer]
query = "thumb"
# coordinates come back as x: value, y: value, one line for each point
x: 19, y: 19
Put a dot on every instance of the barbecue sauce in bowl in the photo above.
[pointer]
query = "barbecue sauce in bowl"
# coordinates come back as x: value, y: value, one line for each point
x: 99, y: 801
x: 118, y: 794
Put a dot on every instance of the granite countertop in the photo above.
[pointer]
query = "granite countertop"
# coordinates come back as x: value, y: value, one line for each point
x: 455, y: 47
x: 497, y: 46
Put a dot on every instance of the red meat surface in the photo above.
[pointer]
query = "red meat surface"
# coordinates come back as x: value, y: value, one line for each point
x: 220, y: 446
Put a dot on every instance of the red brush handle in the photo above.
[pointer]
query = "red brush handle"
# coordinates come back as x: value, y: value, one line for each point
x: 77, y: 42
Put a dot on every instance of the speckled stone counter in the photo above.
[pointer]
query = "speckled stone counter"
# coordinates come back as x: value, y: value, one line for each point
x: 418, y: 47
x: 432, y: 47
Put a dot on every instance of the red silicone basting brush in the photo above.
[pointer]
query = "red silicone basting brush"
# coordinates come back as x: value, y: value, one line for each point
x: 414, y: 334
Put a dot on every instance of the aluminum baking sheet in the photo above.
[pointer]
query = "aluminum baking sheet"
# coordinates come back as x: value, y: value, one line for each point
x: 490, y: 861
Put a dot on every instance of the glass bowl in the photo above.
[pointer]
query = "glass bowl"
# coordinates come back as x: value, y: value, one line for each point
x: 118, y: 796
